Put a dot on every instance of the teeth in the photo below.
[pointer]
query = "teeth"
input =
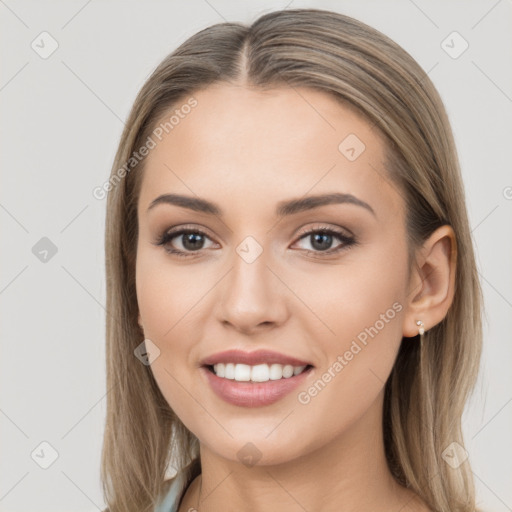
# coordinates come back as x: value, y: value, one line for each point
x: 258, y: 373
x: 242, y: 372
x: 230, y: 371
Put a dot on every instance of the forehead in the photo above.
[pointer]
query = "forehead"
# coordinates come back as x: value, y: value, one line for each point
x: 257, y: 146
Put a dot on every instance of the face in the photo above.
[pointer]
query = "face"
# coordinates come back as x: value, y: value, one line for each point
x: 247, y: 279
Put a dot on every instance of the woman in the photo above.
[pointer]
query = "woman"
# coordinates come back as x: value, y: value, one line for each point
x: 293, y: 303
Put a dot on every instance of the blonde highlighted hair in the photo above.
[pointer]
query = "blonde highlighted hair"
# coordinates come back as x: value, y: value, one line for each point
x: 363, y: 68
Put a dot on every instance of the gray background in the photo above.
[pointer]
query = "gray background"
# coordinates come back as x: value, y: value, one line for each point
x: 61, y: 121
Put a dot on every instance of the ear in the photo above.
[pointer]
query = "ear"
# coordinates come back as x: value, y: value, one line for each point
x: 432, y: 283
x: 140, y: 322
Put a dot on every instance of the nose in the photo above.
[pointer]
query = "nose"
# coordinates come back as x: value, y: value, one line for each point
x: 252, y: 297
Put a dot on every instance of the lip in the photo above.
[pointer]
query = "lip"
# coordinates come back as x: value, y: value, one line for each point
x: 253, y: 394
x: 252, y: 358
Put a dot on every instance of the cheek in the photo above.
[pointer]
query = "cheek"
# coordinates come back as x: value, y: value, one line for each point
x: 166, y: 293
x: 357, y: 326
x: 169, y: 302
x: 342, y: 301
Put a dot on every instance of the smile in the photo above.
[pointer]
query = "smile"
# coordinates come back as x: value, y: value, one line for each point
x: 253, y: 393
x: 256, y: 373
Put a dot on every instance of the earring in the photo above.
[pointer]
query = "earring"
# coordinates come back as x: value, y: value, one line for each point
x: 421, y: 331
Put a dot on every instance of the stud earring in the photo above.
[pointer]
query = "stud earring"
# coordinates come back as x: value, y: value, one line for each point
x: 421, y: 327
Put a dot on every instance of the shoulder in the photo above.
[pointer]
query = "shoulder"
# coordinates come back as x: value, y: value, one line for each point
x: 168, y: 482
x: 172, y: 490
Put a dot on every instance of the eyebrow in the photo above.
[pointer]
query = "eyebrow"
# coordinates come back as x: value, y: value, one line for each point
x: 284, y: 208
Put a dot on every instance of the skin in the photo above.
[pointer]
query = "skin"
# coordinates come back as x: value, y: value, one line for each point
x: 246, y: 150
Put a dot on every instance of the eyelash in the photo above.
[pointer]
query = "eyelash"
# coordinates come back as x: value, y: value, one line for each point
x: 167, y: 236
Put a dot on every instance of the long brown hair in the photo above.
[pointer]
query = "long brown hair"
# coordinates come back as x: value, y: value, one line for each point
x: 362, y: 67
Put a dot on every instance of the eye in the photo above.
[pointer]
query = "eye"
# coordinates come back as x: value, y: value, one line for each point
x: 321, y: 240
x: 191, y: 240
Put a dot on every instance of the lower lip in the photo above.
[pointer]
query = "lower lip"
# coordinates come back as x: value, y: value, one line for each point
x: 253, y: 394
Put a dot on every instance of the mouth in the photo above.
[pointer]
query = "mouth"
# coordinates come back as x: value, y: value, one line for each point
x: 260, y: 385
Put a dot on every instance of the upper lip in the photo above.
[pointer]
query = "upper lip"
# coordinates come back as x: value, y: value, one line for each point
x: 252, y: 358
